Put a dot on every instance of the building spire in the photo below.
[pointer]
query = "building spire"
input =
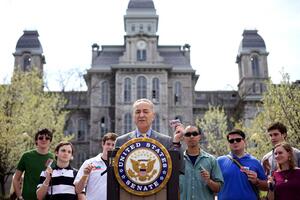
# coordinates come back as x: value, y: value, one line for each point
x: 138, y: 4
x: 140, y: 18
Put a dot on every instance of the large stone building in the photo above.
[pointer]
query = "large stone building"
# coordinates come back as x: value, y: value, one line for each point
x: 141, y: 68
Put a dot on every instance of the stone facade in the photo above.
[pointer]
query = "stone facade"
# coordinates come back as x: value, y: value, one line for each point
x: 142, y: 68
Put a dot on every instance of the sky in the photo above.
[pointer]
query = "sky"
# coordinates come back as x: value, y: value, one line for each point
x: 213, y: 28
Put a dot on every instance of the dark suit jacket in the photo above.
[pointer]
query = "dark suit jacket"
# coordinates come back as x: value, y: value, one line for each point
x: 163, y: 139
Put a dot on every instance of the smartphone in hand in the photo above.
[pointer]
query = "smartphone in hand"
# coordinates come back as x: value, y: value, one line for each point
x: 201, y: 168
x: 244, y: 169
x: 174, y: 123
x: 49, y: 162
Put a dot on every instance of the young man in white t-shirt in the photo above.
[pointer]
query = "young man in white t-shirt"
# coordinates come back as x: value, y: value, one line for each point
x: 92, y: 174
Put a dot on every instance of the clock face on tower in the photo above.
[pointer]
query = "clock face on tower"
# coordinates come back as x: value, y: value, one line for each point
x: 141, y: 44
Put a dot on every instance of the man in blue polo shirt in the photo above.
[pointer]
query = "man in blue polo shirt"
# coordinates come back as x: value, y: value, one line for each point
x: 243, y: 173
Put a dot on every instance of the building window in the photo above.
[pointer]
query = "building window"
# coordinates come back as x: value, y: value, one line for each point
x: 141, y: 55
x: 127, y: 123
x: 262, y: 88
x: 253, y: 88
x: 74, y: 99
x: 255, y: 66
x: 179, y: 117
x: 82, y: 99
x: 103, y: 126
x: 141, y: 28
x: 155, y: 90
x: 256, y: 88
x: 178, y: 93
x: 82, y: 129
x: 81, y: 158
x: 141, y: 87
x: 149, y: 28
x: 104, y: 93
x: 156, y: 124
x: 26, y: 63
x: 133, y: 28
x: 240, y: 71
x: 127, y: 90
x: 69, y: 129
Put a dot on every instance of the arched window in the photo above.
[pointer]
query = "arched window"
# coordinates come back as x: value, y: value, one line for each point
x: 82, y: 129
x: 104, y: 93
x: 103, y: 126
x: 156, y: 124
x: 178, y: 93
x: 127, y: 123
x: 127, y: 90
x: 141, y: 87
x: 26, y: 63
x: 255, y: 66
x: 155, y: 90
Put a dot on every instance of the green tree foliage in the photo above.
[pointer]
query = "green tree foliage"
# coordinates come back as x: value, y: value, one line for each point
x: 280, y: 103
x: 24, y: 109
x: 214, y: 124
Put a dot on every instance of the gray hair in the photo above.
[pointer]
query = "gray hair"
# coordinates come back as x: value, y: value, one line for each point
x: 145, y: 101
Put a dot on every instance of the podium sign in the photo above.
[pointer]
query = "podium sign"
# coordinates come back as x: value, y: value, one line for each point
x: 142, y: 166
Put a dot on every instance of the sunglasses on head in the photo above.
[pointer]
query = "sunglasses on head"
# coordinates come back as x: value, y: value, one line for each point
x: 231, y: 141
x: 42, y: 137
x: 189, y: 134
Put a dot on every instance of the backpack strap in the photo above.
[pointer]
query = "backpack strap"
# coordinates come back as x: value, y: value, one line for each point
x: 235, y: 161
x: 254, y: 188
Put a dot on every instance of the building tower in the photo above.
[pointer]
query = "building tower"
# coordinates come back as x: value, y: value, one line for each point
x: 29, y: 52
x: 253, y: 72
x: 140, y: 68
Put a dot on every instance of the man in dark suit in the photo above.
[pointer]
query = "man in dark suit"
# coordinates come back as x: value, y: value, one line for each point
x: 143, y: 114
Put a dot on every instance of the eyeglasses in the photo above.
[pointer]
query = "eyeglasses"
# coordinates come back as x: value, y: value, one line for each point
x: 231, y: 141
x: 189, y: 134
x: 44, y: 137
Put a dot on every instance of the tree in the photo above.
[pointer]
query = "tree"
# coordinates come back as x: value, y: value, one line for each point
x: 24, y: 109
x: 68, y: 80
x: 280, y: 103
x: 214, y: 124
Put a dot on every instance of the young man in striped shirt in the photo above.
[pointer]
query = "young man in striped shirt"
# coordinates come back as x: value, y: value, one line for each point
x: 57, y: 182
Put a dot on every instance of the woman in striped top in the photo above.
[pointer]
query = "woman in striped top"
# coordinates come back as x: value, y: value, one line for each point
x: 56, y: 182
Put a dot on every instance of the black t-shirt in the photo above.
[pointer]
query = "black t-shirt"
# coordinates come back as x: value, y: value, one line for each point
x: 193, y: 158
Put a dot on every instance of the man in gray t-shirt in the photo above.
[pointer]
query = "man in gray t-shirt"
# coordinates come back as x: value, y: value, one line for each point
x: 278, y: 133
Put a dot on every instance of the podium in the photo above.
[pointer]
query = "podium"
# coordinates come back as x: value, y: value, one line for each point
x: 170, y: 192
